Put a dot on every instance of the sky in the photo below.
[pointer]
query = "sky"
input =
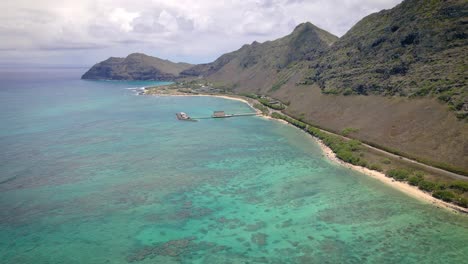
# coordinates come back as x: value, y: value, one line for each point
x: 84, y: 32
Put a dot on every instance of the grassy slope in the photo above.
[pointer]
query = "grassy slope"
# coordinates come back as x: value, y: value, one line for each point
x: 421, y: 127
x: 265, y: 66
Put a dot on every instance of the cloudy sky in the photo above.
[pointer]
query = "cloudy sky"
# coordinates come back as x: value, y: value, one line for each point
x: 82, y: 32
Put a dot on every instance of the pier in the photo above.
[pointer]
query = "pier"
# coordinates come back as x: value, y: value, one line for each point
x: 216, y: 114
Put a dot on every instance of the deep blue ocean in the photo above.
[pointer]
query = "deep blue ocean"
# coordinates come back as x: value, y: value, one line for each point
x: 92, y: 173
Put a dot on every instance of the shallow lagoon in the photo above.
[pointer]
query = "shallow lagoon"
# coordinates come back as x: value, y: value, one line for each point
x: 91, y: 173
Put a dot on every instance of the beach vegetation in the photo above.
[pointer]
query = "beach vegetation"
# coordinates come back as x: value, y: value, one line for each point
x: 414, y: 180
x: 459, y: 185
x: 292, y: 121
x: 262, y: 108
x: 426, y: 186
x: 444, y: 195
x: 461, y: 201
x: 345, y: 150
x: 376, y: 167
x: 363, y: 163
x: 398, y: 174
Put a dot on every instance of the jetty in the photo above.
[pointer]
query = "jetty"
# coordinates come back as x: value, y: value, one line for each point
x: 222, y: 114
x: 216, y: 114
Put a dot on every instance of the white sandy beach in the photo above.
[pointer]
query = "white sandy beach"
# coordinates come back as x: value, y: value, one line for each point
x: 402, y: 186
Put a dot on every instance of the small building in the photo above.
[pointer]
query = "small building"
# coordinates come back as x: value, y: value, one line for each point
x: 183, y: 115
x: 219, y: 114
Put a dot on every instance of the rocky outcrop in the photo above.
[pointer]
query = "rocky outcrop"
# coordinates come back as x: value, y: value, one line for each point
x: 136, y: 66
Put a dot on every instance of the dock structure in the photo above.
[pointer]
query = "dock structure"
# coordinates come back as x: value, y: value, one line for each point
x: 222, y: 114
x: 216, y: 114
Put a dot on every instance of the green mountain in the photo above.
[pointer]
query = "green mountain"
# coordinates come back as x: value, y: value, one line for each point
x: 267, y: 64
x: 136, y: 66
x: 416, y: 49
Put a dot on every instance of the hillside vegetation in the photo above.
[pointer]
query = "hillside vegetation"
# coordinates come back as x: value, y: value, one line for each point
x: 267, y: 64
x: 136, y: 66
x: 416, y: 49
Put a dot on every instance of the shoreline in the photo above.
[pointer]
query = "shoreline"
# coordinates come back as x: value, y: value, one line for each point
x: 404, y: 187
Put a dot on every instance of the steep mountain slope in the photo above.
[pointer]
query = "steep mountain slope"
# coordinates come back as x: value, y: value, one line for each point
x: 389, y: 78
x: 268, y: 65
x: 136, y: 66
x: 416, y: 49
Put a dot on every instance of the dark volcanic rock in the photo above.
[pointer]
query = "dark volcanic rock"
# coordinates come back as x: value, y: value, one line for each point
x: 416, y: 49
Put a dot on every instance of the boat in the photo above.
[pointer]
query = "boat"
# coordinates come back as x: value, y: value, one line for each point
x: 184, y: 117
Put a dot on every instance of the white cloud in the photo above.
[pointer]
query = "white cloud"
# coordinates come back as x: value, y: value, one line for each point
x: 168, y: 21
x: 87, y: 31
x: 123, y: 18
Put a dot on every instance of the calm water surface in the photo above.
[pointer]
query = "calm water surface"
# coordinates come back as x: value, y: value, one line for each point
x: 92, y: 173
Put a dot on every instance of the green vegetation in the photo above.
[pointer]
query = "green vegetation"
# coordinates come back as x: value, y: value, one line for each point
x: 398, y: 174
x: 267, y: 102
x: 136, y: 66
x: 348, y: 131
x: 376, y: 167
x: 459, y: 185
x: 348, y: 91
x: 386, y: 161
x: 426, y: 186
x: 388, y: 54
x: 452, y: 192
x: 262, y: 108
x: 444, y: 195
x: 330, y: 91
x: 415, y: 180
x: 250, y: 95
x: 292, y: 121
x: 346, y: 150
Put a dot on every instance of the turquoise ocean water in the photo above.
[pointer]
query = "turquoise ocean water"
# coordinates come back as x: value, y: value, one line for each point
x: 92, y: 173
